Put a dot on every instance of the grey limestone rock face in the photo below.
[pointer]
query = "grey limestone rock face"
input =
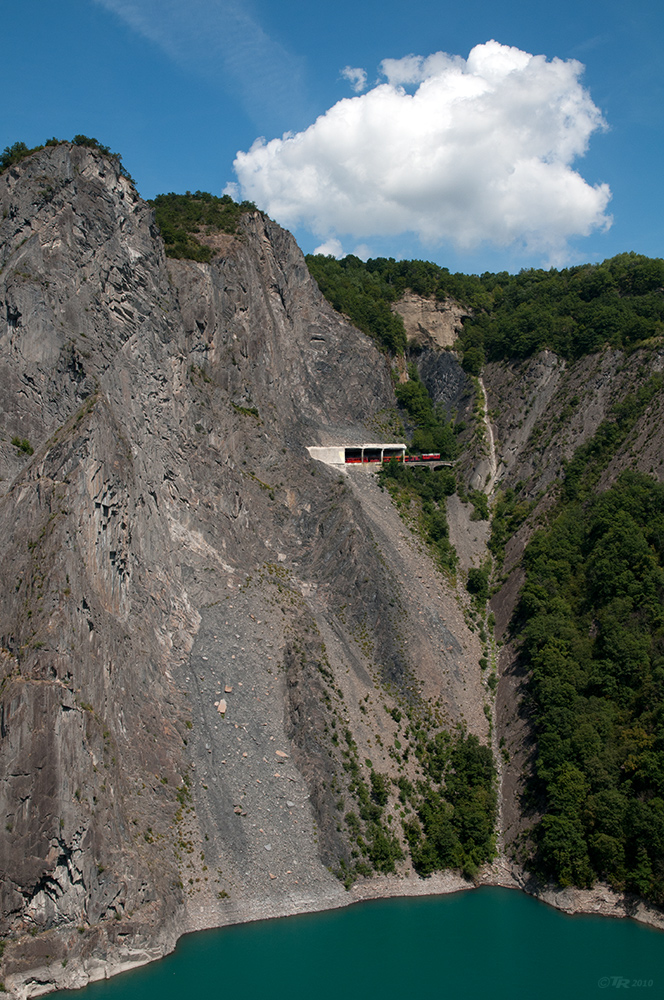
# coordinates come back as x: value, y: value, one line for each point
x: 168, y: 543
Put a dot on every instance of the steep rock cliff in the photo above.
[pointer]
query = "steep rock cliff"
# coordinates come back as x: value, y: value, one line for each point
x: 169, y: 546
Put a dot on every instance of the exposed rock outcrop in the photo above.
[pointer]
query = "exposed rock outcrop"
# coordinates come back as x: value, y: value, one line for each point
x: 432, y: 323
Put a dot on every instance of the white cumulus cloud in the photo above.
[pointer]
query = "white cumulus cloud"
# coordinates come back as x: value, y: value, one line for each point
x: 356, y: 77
x: 453, y: 150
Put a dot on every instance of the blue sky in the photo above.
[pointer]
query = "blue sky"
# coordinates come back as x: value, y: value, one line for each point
x: 508, y: 178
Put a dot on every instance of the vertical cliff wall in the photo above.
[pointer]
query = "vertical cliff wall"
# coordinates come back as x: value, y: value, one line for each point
x: 168, y: 544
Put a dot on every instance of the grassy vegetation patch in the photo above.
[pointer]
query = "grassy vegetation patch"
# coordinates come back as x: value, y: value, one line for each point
x: 22, y: 444
x: 426, y: 490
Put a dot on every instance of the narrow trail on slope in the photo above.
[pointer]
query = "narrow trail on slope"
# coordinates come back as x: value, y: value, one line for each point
x: 493, y: 465
x: 488, y: 489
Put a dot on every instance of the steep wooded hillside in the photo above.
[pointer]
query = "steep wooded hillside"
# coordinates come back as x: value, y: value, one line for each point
x: 557, y: 519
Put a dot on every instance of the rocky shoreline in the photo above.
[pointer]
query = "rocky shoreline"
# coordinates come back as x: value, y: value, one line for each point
x: 599, y: 901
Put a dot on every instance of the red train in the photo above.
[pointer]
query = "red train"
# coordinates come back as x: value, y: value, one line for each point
x: 394, y: 458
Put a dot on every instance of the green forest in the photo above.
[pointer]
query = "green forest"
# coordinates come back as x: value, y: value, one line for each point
x: 591, y: 618
x: 590, y: 625
x: 573, y: 311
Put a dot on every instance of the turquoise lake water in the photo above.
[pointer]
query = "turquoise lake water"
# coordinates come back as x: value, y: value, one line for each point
x: 489, y: 943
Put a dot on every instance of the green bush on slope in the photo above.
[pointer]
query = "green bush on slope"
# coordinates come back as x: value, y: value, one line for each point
x: 181, y: 217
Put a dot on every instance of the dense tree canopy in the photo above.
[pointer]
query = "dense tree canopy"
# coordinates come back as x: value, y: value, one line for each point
x: 362, y: 295
x: 592, y: 618
x: 573, y: 311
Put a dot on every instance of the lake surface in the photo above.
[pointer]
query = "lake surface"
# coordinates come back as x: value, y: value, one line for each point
x: 490, y: 943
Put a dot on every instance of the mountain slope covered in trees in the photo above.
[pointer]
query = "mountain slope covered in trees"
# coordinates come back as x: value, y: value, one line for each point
x: 584, y: 532
x: 574, y: 311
